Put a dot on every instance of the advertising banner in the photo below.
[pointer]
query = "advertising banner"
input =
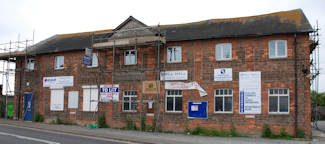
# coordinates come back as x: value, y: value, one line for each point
x: 223, y: 74
x: 185, y: 86
x: 150, y: 87
x: 174, y: 75
x: 250, y: 92
x: 107, y: 92
x: 62, y: 81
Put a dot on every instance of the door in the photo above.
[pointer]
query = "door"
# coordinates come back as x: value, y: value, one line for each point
x: 29, y: 107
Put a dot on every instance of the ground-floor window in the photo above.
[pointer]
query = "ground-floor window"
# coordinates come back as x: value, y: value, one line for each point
x: 223, y: 100
x: 174, y: 100
x: 278, y: 100
x: 128, y: 97
x: 90, y: 93
x: 57, y: 99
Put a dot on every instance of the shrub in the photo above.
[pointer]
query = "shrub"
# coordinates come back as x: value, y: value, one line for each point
x: 266, y: 132
x: 38, y: 117
x: 143, y: 124
x: 102, y: 122
x: 300, y: 133
x: 129, y: 124
x: 58, y: 120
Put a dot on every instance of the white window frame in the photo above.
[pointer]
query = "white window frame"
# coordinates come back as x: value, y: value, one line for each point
x: 230, y: 58
x: 223, y: 100
x: 56, y: 62
x: 29, y: 65
x: 174, y: 101
x: 173, y: 53
x: 86, y: 98
x: 278, y: 96
x: 130, y: 98
x: 276, y: 49
x: 135, y: 62
x: 92, y: 62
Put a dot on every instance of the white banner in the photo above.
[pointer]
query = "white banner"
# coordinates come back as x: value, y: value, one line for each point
x: 106, y: 92
x: 61, y: 81
x: 250, y: 92
x: 174, y: 75
x: 223, y: 74
x: 185, y: 86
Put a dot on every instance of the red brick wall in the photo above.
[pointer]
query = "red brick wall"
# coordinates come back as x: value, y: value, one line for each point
x: 198, y: 57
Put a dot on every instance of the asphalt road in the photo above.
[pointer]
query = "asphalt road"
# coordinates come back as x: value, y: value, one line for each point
x: 18, y: 135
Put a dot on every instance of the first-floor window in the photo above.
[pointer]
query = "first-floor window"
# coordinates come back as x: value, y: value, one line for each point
x: 128, y: 97
x: 94, y: 60
x: 130, y: 57
x: 223, y: 100
x: 278, y: 100
x: 30, y: 64
x: 59, y: 62
x: 174, y: 100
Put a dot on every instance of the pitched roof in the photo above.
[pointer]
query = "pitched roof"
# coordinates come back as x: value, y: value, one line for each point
x: 286, y: 22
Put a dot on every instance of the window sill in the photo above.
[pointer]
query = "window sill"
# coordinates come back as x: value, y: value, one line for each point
x: 58, y: 68
x: 222, y: 60
x: 173, y: 112
x: 175, y: 62
x: 130, y: 64
x: 279, y: 57
x: 128, y: 111
x: 223, y: 113
x: 92, y: 66
x: 275, y: 113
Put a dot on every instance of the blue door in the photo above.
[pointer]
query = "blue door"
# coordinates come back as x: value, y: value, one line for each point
x: 29, y: 107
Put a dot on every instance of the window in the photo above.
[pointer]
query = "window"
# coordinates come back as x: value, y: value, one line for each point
x: 94, y: 60
x: 223, y: 100
x: 30, y: 64
x: 223, y: 51
x: 57, y: 99
x: 59, y: 62
x: 130, y: 57
x: 87, y: 90
x: 174, y: 101
x: 277, y: 48
x: 174, y: 54
x: 128, y: 96
x: 278, y: 100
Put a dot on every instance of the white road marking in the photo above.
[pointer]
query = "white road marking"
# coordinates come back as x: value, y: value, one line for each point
x: 29, y: 138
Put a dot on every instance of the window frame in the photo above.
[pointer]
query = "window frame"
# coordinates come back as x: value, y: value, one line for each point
x: 130, y: 103
x: 174, y: 101
x: 276, y: 49
x: 278, y: 100
x: 56, y: 62
x: 92, y: 61
x: 86, y: 90
x: 136, y: 57
x: 221, y: 59
x: 28, y: 64
x: 223, y: 100
x: 174, y: 61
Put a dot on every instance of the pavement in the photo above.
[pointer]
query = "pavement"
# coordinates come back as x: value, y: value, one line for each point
x: 318, y: 134
x: 148, y: 137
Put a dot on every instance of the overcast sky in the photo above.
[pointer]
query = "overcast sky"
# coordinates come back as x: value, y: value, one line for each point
x: 48, y: 18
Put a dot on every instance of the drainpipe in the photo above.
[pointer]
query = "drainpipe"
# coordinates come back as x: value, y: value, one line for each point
x: 19, y: 83
x: 296, y: 89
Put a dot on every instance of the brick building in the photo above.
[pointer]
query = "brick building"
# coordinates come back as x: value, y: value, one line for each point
x: 274, y: 47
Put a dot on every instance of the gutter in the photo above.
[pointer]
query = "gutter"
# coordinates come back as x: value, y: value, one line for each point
x: 296, y: 89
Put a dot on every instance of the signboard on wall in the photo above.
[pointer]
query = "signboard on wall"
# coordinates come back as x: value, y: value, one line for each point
x: 185, y: 86
x: 223, y: 74
x: 174, y: 75
x: 62, y: 81
x: 150, y: 87
x: 87, y: 60
x: 73, y: 99
x: 198, y: 110
x: 107, y: 92
x: 250, y: 92
x: 88, y: 52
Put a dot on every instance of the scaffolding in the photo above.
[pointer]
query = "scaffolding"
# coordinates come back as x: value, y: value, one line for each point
x: 314, y: 72
x: 118, y: 41
x: 11, y: 53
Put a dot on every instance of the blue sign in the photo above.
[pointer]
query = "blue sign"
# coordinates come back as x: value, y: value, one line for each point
x: 108, y: 90
x: 242, y: 99
x: 87, y: 60
x: 198, y: 110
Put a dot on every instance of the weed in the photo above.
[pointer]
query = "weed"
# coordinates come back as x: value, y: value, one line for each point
x: 129, y: 124
x: 233, y: 131
x: 58, y: 120
x: 197, y: 130
x: 266, y: 132
x: 187, y: 130
x: 300, y: 133
x: 102, y: 122
x: 38, y: 117
x: 143, y: 124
